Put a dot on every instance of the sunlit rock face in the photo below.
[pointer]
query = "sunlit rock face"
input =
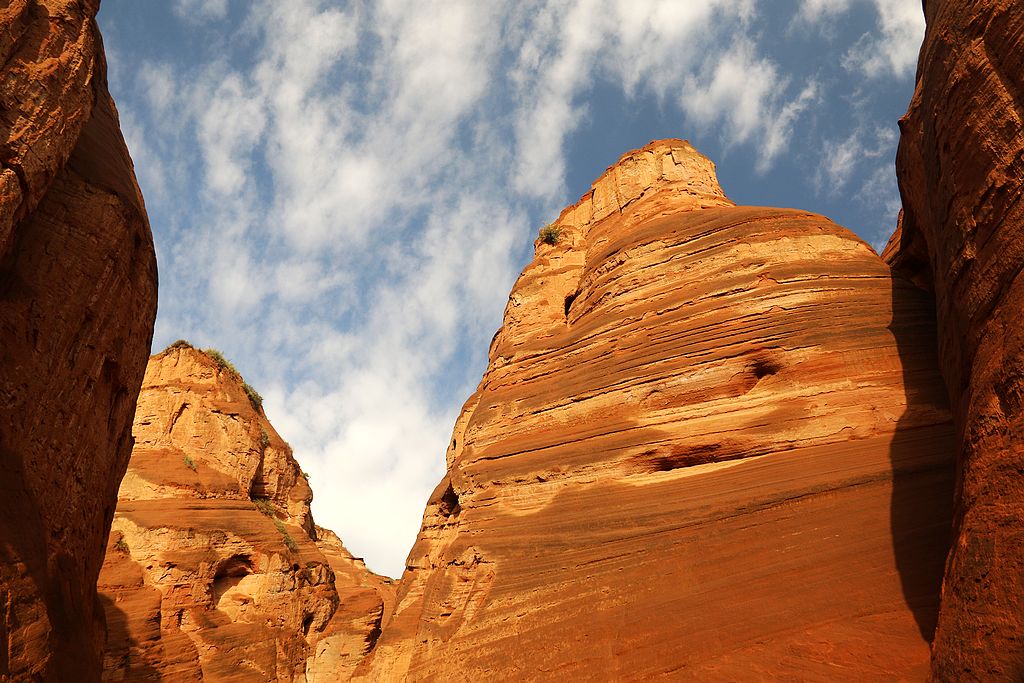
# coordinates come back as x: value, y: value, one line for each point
x: 215, y: 570
x: 711, y: 442
x: 77, y: 304
x: 961, y: 168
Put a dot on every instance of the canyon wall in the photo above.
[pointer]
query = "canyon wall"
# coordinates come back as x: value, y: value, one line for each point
x: 961, y: 167
x: 712, y: 441
x: 215, y: 570
x: 77, y: 304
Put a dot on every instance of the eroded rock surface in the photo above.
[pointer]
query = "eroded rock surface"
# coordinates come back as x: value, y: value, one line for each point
x: 367, y: 600
x: 711, y: 442
x: 215, y: 570
x: 961, y: 168
x: 77, y: 304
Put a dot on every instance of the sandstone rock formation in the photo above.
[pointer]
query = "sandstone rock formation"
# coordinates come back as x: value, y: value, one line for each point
x: 215, y: 570
x: 367, y: 600
x: 961, y: 168
x: 77, y: 304
x: 711, y: 442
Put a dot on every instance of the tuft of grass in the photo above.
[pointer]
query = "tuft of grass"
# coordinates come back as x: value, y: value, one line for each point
x: 265, y: 506
x: 179, y: 344
x: 254, y: 396
x: 289, y: 542
x: 264, y: 440
x: 223, y: 364
x: 550, y: 234
x: 190, y: 463
x: 121, y: 545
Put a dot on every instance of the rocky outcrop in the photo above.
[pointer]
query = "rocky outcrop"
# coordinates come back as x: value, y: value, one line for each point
x: 77, y: 304
x: 961, y: 168
x: 215, y: 570
x: 711, y: 442
x: 367, y: 600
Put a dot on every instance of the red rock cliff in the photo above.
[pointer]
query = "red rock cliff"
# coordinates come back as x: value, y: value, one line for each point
x: 215, y: 570
x: 77, y: 303
x: 961, y: 168
x: 711, y: 442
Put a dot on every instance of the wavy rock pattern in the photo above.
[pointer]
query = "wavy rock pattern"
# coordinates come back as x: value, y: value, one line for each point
x: 711, y: 441
x: 213, y: 567
x: 961, y: 169
x: 77, y: 304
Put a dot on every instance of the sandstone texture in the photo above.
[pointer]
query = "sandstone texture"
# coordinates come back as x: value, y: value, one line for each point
x: 961, y: 166
x: 215, y: 570
x: 77, y: 304
x: 712, y: 442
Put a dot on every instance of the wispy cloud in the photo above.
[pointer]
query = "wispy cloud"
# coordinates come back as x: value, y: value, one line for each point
x: 889, y: 50
x: 894, y: 49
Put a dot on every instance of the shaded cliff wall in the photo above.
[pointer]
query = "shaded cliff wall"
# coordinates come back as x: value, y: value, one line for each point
x: 961, y: 167
x: 77, y: 304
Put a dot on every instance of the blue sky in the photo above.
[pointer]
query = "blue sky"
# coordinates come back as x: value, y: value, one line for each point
x: 342, y: 194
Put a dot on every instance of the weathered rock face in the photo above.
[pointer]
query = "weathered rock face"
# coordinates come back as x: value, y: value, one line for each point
x: 961, y: 168
x: 366, y: 599
x: 213, y: 568
x: 711, y: 442
x: 77, y: 304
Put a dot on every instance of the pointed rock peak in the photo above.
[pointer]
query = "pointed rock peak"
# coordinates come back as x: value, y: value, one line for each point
x: 671, y: 166
x: 660, y: 163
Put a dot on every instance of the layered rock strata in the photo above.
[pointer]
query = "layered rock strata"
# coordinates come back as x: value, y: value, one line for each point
x: 711, y: 442
x: 215, y: 570
x: 77, y: 304
x: 367, y: 600
x: 961, y: 168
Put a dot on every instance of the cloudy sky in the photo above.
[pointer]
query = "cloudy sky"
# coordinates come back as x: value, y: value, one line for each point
x: 342, y: 193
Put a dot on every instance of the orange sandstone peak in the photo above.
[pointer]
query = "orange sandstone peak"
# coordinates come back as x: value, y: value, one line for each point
x: 711, y: 443
x: 215, y: 570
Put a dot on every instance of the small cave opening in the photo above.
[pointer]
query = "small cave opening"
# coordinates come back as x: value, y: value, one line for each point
x: 569, y: 298
x: 677, y: 457
x: 229, y: 574
x: 449, y: 504
x: 307, y: 622
x: 763, y: 367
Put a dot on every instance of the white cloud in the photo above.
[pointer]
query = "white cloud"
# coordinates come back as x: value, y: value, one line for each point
x: 894, y: 50
x: 839, y: 161
x: 779, y: 130
x: 812, y: 11
x: 200, y: 10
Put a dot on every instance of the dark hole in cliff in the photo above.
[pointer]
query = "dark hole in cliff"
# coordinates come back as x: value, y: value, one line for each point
x: 373, y: 636
x: 569, y: 298
x: 307, y: 622
x: 668, y: 459
x: 763, y: 367
x: 449, y: 504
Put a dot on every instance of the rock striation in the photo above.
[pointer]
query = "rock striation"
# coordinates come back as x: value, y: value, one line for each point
x: 77, y: 305
x: 711, y: 442
x: 215, y: 570
x: 961, y: 168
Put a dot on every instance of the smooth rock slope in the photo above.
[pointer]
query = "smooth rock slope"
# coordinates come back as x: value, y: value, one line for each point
x: 711, y: 443
x: 77, y: 304
x: 215, y: 570
x: 961, y: 170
